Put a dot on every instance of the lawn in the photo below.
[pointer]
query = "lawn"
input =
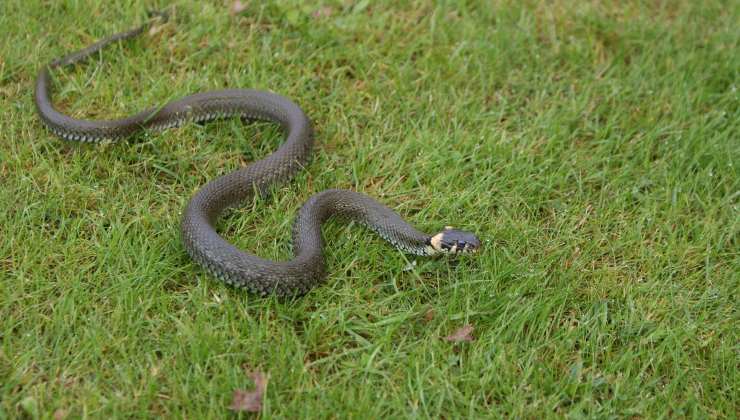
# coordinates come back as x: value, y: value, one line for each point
x: 593, y: 147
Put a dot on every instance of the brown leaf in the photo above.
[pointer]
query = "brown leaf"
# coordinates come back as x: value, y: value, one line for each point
x: 429, y: 315
x: 250, y: 400
x: 60, y: 414
x: 238, y: 7
x: 461, y: 334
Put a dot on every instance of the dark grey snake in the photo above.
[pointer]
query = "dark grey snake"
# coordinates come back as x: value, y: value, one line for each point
x: 200, y: 238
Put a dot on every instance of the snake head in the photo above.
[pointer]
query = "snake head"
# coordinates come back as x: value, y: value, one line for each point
x: 453, y: 241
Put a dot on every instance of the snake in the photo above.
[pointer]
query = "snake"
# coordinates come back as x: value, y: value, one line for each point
x: 200, y: 238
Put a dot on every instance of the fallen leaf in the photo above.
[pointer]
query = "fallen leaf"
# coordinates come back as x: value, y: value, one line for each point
x: 461, y: 334
x: 60, y: 414
x: 429, y: 315
x: 250, y: 400
x: 237, y: 7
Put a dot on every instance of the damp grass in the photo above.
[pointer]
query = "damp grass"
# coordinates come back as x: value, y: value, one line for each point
x: 593, y: 146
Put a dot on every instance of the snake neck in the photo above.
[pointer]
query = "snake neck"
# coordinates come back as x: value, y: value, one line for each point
x: 354, y: 206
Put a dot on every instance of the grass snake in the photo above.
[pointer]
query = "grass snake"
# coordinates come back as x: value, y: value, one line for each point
x: 202, y: 242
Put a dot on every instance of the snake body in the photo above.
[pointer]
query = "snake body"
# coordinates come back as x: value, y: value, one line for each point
x: 201, y: 241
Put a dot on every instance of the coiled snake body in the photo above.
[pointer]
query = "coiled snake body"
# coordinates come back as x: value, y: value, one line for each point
x: 200, y: 238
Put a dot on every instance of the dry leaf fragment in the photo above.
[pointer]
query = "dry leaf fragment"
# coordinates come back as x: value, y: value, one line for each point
x: 461, y: 334
x: 60, y: 414
x: 237, y: 7
x: 429, y: 315
x: 250, y: 400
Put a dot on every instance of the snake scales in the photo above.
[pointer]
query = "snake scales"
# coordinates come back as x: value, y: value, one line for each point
x: 202, y: 242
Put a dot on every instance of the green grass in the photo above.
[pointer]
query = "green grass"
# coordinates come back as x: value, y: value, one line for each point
x: 592, y: 145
